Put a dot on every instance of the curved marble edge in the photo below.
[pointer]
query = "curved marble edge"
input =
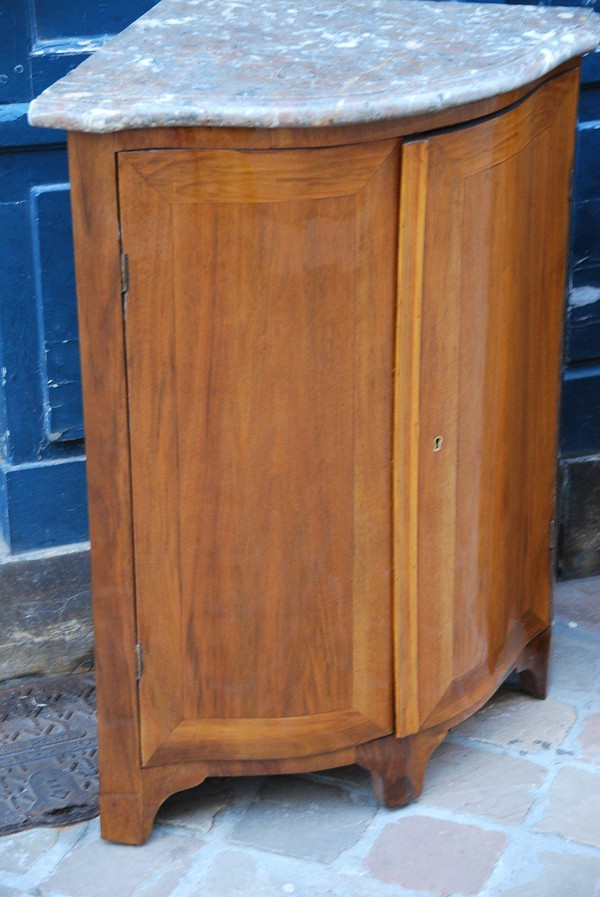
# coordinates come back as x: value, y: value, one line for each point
x: 125, y: 85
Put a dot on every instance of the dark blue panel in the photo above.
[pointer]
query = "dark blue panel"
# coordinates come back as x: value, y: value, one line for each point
x: 40, y: 399
x: 47, y: 504
x: 4, y: 531
x: 583, y: 316
x: 21, y: 315
x: 15, y: 83
x: 585, y: 247
x: 47, y: 66
x: 587, y: 163
x: 580, y: 427
x: 15, y: 131
x: 589, y: 104
x: 85, y: 18
x: 19, y: 329
x: 590, y: 69
x: 20, y: 172
x: 56, y: 293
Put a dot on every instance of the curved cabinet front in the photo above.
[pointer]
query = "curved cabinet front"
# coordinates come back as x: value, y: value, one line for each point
x: 322, y: 491
x: 484, y: 234
x: 259, y: 333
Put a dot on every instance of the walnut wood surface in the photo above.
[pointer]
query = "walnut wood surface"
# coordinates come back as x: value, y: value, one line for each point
x: 259, y: 341
x: 92, y: 164
x: 268, y: 516
x: 397, y: 766
x: 532, y: 665
x: 485, y: 347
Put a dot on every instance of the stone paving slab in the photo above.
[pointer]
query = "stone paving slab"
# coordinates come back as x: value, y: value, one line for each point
x: 119, y: 870
x: 573, y: 807
x: 196, y: 808
x: 589, y: 739
x: 436, y: 855
x: 466, y: 779
x: 305, y: 819
x: 520, y: 722
x: 571, y: 875
x: 577, y: 600
x: 575, y: 659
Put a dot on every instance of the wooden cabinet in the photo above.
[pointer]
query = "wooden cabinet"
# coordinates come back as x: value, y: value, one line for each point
x: 321, y: 436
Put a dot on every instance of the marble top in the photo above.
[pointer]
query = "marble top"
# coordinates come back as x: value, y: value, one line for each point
x: 276, y: 63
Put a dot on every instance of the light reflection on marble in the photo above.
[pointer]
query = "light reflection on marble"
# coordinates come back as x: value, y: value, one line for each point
x: 275, y: 63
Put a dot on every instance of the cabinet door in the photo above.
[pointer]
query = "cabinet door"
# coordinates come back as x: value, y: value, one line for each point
x: 259, y: 332
x: 484, y: 225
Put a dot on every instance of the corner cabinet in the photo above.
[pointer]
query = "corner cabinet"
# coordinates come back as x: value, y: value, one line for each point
x: 321, y: 374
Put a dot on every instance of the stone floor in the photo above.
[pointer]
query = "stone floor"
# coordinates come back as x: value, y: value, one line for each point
x: 511, y: 808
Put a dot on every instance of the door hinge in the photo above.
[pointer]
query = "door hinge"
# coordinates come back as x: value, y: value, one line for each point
x: 552, y: 541
x: 124, y: 273
x: 139, y: 662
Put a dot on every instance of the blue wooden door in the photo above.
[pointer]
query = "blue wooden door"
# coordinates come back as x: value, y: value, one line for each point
x: 579, y: 519
x: 42, y: 462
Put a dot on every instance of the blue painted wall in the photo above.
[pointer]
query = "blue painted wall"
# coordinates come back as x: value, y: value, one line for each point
x: 42, y: 462
x: 580, y: 433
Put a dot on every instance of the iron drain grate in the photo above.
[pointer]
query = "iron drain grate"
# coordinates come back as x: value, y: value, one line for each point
x: 48, y: 753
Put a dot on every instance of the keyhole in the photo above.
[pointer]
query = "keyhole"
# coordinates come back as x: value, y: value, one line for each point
x: 437, y: 443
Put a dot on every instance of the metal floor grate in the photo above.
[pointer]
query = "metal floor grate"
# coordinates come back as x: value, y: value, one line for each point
x: 48, y: 753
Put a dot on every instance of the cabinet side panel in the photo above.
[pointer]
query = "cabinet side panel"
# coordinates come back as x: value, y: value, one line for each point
x: 96, y: 228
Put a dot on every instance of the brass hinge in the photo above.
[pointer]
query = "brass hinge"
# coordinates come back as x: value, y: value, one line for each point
x: 124, y: 273
x: 139, y: 662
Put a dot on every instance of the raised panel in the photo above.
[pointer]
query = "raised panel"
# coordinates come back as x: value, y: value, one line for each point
x: 580, y: 425
x: 14, y: 61
x: 63, y: 34
x: 53, y: 240
x: 37, y: 308
x: 487, y: 387
x: 268, y: 488
x: 46, y: 504
x: 583, y: 317
x: 63, y: 20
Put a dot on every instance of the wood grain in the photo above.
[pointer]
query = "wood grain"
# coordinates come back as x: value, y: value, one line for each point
x: 488, y: 385
x: 267, y: 509
x: 92, y: 167
x: 151, y: 384
x: 261, y: 738
x: 407, y: 401
x: 250, y: 176
x: 259, y: 351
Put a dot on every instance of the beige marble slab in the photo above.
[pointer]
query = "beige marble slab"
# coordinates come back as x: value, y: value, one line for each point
x: 274, y: 63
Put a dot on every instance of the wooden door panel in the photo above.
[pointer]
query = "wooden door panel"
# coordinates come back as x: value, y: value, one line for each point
x: 489, y: 303
x: 262, y: 519
x: 266, y: 487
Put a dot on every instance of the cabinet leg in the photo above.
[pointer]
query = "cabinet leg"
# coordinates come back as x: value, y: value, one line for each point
x: 397, y: 765
x: 533, y: 663
x: 124, y: 819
